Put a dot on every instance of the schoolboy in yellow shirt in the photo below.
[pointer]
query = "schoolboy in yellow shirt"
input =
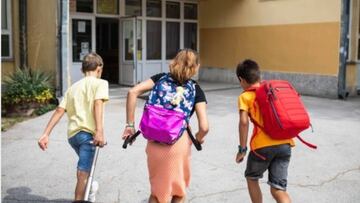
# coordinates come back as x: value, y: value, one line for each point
x: 266, y: 153
x: 83, y: 102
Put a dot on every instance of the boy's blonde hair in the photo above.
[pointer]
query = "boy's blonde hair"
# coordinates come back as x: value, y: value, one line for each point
x: 91, y: 61
x: 184, y: 65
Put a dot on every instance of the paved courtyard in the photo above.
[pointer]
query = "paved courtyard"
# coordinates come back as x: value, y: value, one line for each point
x: 329, y: 174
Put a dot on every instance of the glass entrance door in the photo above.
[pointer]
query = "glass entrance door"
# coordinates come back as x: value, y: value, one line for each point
x: 82, y: 41
x: 130, y: 56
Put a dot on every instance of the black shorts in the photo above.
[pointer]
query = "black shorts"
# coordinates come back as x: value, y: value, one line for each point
x: 277, y: 162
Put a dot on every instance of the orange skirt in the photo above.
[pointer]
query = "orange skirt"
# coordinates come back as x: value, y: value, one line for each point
x: 169, y: 168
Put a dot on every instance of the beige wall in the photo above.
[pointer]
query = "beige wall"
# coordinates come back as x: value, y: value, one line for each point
x: 304, y: 48
x: 239, y: 13
x: 42, y: 17
x: 285, y: 35
x: 41, y: 36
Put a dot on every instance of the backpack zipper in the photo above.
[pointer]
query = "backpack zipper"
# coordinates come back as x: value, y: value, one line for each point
x: 280, y: 88
x: 272, y: 96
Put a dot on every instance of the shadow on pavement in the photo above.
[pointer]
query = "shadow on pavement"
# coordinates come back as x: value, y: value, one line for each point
x: 23, y: 194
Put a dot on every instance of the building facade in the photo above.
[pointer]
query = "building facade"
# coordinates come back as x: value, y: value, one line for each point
x: 314, y: 44
x: 294, y: 40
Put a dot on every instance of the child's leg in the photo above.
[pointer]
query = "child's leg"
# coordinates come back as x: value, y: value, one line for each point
x: 86, y: 151
x: 82, y: 177
x: 280, y: 196
x: 278, y: 172
x: 255, y: 169
x: 177, y: 199
x: 153, y: 199
x: 254, y: 190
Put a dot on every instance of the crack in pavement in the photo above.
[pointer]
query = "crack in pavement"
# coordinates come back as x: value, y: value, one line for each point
x: 327, y: 181
x: 214, y: 165
x: 217, y: 193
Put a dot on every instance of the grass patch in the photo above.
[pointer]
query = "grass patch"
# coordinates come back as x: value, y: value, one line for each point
x: 7, y: 123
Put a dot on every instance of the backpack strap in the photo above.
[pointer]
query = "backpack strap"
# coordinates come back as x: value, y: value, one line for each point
x: 251, y: 144
x: 257, y: 126
x: 306, y: 143
x: 193, y: 139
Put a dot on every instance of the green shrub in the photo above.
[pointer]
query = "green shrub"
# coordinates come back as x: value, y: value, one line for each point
x: 44, y: 109
x: 26, y: 89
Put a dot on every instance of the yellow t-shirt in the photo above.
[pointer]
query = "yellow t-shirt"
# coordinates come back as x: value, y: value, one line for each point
x: 246, y: 103
x: 79, y: 103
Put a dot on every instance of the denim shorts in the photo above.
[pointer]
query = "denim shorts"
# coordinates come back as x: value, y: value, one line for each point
x: 84, y: 149
x: 277, y: 163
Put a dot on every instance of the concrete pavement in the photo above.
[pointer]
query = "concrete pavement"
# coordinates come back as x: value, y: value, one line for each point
x: 329, y: 174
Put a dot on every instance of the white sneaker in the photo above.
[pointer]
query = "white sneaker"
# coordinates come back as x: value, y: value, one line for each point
x: 94, y: 188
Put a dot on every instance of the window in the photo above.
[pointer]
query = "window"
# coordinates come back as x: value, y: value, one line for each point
x: 138, y: 38
x: 6, y: 45
x: 4, y: 16
x: 133, y: 7
x: 172, y: 39
x: 153, y: 40
x: 190, y: 35
x: 172, y: 9
x: 153, y: 8
x: 128, y: 39
x: 107, y: 7
x: 85, y: 6
x: 81, y: 32
x: 128, y: 32
x: 190, y: 11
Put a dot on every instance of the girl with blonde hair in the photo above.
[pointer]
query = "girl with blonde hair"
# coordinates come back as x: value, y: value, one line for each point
x: 169, y: 164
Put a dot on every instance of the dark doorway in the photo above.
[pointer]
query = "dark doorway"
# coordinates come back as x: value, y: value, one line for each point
x: 107, y: 46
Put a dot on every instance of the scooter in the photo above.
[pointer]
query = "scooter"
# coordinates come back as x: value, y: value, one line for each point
x: 90, y: 178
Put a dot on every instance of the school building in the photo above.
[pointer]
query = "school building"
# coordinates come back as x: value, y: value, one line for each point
x: 314, y: 44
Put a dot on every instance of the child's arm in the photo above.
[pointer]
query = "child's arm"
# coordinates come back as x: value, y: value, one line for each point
x: 243, y: 133
x: 132, y: 95
x: 44, y: 139
x: 200, y: 109
x: 98, y: 114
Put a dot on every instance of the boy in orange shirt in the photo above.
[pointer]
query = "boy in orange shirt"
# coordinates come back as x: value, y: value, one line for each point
x: 275, y: 153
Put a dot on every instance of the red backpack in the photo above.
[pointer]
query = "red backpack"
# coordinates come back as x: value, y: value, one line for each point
x: 283, y: 112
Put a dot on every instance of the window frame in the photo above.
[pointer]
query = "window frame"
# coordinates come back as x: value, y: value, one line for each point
x: 8, y: 31
x: 173, y: 1
x: 197, y: 35
x: 197, y: 10
x: 152, y: 19
x: 96, y: 8
x: 93, y: 38
x: 94, y: 2
x: 166, y: 27
x: 183, y: 21
x: 144, y: 18
x: 161, y: 10
x: 141, y: 8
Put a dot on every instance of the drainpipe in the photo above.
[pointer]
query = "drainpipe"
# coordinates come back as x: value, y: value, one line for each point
x: 64, y: 46
x: 344, y: 44
x: 59, y: 76
x: 23, y: 33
